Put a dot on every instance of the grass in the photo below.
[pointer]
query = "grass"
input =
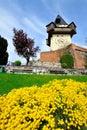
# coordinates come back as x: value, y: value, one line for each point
x: 11, y: 81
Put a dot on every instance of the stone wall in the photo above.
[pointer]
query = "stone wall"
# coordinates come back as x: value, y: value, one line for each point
x: 47, y: 64
x: 54, y: 56
x: 44, y: 70
x: 79, y: 55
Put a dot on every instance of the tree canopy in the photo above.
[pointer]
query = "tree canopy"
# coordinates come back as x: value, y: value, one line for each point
x: 3, y: 51
x: 24, y: 46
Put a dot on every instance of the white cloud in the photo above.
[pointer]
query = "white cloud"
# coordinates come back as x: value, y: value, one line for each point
x: 39, y: 31
x: 12, y: 53
x: 54, y: 8
x: 35, y: 25
x: 10, y: 17
x: 44, y: 47
x: 7, y: 20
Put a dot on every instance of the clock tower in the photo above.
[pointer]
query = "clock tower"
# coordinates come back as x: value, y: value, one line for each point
x: 59, y: 40
x: 59, y: 33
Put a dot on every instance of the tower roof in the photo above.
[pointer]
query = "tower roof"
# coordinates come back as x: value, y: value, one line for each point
x: 59, y: 20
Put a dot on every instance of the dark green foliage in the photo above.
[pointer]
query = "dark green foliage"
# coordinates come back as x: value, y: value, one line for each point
x: 3, y: 53
x: 67, y: 61
x: 64, y: 65
x: 17, y: 63
x: 85, y: 65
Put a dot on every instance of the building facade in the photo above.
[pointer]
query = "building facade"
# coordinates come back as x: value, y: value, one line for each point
x: 60, y: 42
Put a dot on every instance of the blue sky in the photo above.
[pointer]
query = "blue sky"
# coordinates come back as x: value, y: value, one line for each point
x: 33, y: 15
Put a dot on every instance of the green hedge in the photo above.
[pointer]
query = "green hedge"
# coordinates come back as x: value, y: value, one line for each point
x: 67, y: 61
x: 17, y: 63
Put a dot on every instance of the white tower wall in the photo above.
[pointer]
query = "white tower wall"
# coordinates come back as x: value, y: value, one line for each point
x: 59, y: 41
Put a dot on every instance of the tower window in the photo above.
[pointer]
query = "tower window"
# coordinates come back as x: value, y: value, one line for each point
x: 58, y: 20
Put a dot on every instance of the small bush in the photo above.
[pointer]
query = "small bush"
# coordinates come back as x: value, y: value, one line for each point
x: 64, y: 65
x: 85, y: 65
x: 17, y: 63
x: 67, y: 60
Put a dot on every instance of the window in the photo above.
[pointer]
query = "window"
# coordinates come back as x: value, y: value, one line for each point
x: 58, y: 20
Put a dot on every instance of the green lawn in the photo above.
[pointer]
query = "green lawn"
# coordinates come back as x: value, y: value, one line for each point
x: 10, y: 81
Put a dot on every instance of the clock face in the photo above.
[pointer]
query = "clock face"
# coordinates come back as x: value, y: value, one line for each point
x: 60, y: 41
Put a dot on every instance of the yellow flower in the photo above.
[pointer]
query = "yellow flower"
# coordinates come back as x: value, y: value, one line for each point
x: 59, y: 104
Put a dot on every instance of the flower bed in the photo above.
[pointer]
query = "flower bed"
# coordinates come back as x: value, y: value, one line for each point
x: 60, y: 105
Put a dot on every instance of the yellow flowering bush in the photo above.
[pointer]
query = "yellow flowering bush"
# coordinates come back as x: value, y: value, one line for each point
x: 57, y: 105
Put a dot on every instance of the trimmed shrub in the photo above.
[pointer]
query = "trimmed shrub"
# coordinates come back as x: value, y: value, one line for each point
x: 67, y: 61
x: 64, y: 65
x: 17, y: 63
x: 85, y: 65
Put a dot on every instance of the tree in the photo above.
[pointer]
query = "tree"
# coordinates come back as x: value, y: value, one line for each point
x: 24, y: 45
x: 3, y: 51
